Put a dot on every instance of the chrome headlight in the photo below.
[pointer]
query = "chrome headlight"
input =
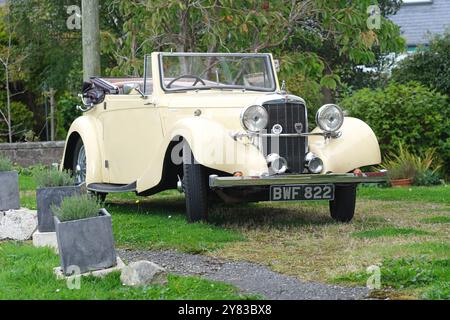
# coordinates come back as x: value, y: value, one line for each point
x: 330, y: 118
x: 254, y: 118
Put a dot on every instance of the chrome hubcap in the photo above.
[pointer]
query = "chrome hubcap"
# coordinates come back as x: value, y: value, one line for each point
x: 80, y: 168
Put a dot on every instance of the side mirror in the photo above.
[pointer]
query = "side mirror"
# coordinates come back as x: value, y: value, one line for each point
x: 128, y: 87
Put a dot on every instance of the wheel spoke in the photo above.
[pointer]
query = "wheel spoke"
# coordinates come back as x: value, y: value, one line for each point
x: 81, y: 166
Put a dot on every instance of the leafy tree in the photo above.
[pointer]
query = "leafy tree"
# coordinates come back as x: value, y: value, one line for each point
x: 313, y: 39
x: 10, y: 59
x: 125, y: 39
x: 52, y: 50
x: 430, y: 67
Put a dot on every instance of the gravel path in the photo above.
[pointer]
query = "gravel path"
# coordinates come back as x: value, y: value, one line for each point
x: 249, y: 277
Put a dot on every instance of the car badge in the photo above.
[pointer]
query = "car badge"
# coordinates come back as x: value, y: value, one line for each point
x: 299, y: 127
x: 277, y: 129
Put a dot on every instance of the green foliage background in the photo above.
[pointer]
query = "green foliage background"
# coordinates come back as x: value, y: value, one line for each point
x: 312, y: 39
x: 22, y: 120
x: 410, y: 114
x: 430, y: 66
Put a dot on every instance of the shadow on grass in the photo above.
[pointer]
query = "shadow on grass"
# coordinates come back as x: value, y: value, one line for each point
x: 247, y: 216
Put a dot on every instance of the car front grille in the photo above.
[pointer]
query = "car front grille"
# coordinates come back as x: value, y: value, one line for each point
x: 287, y: 114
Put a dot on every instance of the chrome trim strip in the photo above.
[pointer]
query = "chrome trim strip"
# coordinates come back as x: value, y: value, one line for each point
x: 290, y: 135
x: 227, y: 182
x: 238, y: 135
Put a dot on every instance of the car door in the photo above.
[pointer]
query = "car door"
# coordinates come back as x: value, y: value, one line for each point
x: 131, y: 133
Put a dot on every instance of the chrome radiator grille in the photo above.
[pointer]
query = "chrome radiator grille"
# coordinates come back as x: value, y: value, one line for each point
x: 287, y: 114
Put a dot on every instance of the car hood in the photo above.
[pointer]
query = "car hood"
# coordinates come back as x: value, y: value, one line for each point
x: 220, y: 99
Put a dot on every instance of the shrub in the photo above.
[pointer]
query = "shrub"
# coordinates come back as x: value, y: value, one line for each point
x: 67, y: 113
x: 428, y: 66
x: 405, y: 165
x: 427, y: 178
x: 77, y: 208
x: 31, y: 170
x: 400, y: 166
x: 5, y: 164
x: 53, y: 178
x: 410, y: 114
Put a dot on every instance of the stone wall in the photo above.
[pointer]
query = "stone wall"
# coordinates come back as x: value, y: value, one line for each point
x: 26, y: 154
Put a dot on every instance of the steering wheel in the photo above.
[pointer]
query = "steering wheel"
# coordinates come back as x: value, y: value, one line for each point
x: 188, y: 76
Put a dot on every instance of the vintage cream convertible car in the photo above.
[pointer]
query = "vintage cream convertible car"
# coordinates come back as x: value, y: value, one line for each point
x: 219, y: 128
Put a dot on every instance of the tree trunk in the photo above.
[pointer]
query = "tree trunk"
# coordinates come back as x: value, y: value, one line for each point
x: 52, y: 114
x: 328, y: 94
x: 133, y: 52
x: 8, y: 104
x: 91, y: 38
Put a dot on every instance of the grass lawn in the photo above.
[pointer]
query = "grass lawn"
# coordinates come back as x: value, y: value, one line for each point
x: 26, y: 273
x: 430, y: 277
x: 155, y: 222
x: 405, y: 231
x: 435, y: 194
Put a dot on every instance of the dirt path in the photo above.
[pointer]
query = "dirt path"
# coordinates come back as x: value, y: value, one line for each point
x: 249, y: 277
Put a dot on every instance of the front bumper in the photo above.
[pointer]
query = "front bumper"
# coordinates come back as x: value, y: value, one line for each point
x: 229, y: 182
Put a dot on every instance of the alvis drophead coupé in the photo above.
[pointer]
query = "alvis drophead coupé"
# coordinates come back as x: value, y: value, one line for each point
x: 219, y: 128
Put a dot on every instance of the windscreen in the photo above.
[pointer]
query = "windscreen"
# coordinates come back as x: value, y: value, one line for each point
x: 215, y: 71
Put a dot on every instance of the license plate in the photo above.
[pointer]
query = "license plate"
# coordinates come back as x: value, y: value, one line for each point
x: 302, y: 192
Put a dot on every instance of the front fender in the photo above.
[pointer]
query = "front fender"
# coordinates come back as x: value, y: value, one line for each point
x: 213, y: 147
x: 87, y: 128
x: 356, y: 147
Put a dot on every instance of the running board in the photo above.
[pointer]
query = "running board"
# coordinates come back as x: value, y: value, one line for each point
x: 111, y: 188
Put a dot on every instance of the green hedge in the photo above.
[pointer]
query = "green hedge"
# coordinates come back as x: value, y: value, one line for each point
x: 410, y: 114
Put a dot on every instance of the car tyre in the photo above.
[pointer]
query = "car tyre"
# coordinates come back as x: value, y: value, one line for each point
x: 342, y: 208
x: 195, y: 185
x: 77, y: 162
x: 78, y: 151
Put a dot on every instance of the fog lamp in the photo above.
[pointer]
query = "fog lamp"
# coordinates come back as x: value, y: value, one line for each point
x: 276, y: 163
x: 313, y: 163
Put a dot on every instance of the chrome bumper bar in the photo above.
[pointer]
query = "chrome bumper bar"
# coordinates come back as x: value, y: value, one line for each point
x: 228, y: 182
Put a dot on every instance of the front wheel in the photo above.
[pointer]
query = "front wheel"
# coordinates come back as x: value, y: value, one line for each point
x: 79, y: 165
x: 195, y: 185
x: 342, y: 208
x: 79, y: 162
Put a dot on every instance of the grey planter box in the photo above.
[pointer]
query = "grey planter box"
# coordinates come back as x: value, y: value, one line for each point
x: 9, y: 191
x: 45, y: 198
x: 86, y: 243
